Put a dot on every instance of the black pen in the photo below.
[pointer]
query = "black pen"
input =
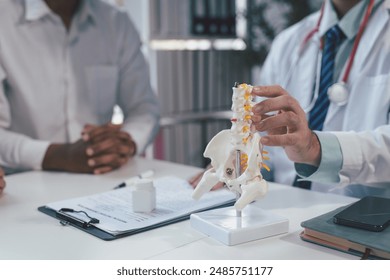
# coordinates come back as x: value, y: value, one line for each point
x: 132, y: 180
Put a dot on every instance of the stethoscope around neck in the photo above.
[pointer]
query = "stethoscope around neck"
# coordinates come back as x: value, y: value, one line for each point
x: 338, y: 92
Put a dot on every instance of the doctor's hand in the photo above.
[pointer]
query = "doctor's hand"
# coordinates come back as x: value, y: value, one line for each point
x: 108, y: 147
x: 287, y: 128
x: 2, y: 182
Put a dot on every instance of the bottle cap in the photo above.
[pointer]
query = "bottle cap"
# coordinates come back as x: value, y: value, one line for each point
x: 144, y: 184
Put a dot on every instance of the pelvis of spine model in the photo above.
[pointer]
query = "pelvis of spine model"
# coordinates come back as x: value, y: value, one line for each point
x: 248, y: 184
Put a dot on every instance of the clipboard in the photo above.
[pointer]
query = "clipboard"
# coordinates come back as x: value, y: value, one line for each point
x: 106, y: 236
x: 165, y: 191
x: 73, y: 222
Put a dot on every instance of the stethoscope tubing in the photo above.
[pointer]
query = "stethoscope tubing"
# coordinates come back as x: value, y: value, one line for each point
x: 341, y: 84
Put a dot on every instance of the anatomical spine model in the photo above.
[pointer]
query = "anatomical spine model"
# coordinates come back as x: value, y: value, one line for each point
x: 236, y: 154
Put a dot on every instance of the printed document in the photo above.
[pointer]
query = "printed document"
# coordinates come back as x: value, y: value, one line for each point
x: 114, y: 208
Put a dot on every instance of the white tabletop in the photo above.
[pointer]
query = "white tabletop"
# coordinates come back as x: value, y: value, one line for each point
x: 26, y: 233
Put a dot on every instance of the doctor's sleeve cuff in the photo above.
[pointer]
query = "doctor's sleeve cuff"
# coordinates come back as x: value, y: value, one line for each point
x: 331, y: 161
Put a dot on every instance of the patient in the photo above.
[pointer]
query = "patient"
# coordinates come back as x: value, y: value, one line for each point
x: 64, y: 65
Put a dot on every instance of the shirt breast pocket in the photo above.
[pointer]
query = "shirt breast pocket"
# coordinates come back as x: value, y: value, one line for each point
x: 102, y: 84
x: 370, y: 101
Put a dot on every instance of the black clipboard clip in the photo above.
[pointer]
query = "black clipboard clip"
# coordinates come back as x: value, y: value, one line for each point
x: 66, y: 219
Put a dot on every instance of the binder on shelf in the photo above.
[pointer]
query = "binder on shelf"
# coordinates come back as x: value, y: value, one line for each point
x: 173, y: 91
x: 182, y: 84
x: 198, y: 9
x: 155, y: 18
x: 109, y: 215
x: 202, y: 80
x: 212, y: 87
x: 323, y: 231
x: 213, y: 17
x: 162, y: 84
x: 189, y: 83
x: 166, y: 18
x: 196, y: 79
x: 230, y: 19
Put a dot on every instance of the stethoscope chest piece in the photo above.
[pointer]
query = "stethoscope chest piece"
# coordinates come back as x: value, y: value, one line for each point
x: 338, y: 93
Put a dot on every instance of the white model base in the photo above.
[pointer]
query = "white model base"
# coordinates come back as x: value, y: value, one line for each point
x: 223, y: 224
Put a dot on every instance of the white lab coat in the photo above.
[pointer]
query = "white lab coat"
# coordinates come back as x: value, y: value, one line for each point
x: 362, y: 126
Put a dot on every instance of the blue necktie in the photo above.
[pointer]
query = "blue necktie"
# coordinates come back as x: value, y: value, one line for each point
x: 333, y: 39
x: 317, y: 115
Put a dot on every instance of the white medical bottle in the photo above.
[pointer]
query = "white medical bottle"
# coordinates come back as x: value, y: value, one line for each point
x: 144, y: 196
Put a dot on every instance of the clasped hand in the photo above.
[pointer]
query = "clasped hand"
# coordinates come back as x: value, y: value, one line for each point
x: 108, y: 147
x: 101, y: 149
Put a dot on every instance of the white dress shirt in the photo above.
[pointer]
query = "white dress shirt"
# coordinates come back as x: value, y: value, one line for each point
x: 54, y: 81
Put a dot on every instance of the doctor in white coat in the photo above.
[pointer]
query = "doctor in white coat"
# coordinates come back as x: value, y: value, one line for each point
x: 351, y: 155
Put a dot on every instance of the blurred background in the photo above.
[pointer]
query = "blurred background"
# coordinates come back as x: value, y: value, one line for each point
x: 197, y: 50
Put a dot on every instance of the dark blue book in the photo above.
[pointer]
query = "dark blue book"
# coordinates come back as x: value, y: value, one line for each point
x: 323, y: 231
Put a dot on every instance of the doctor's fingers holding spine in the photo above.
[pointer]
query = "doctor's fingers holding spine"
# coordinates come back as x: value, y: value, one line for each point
x: 287, y: 127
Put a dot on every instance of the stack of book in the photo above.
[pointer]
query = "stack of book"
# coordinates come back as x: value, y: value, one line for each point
x: 323, y: 231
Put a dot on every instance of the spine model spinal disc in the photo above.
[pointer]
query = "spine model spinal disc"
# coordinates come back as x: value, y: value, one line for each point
x: 243, y: 178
